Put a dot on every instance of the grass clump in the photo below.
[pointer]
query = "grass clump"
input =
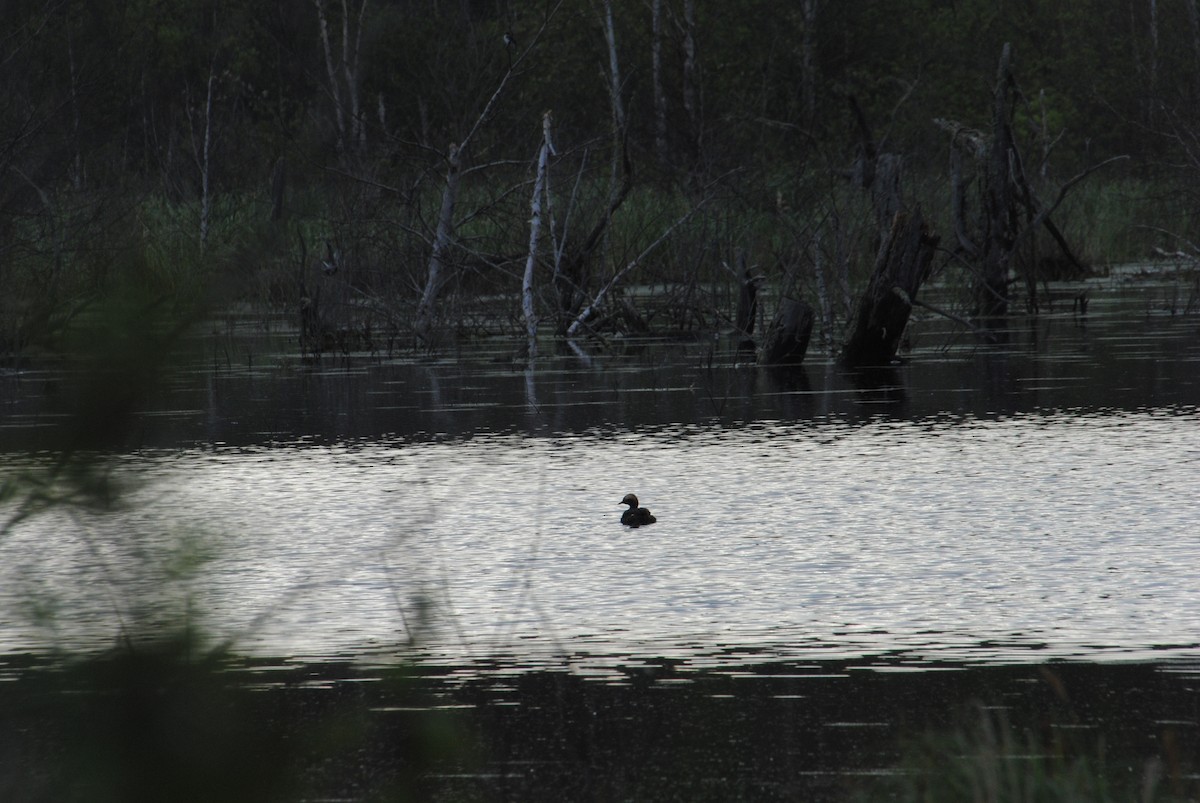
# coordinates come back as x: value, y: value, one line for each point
x: 988, y: 759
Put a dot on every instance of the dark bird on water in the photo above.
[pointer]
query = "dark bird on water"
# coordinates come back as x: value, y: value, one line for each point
x: 635, y: 516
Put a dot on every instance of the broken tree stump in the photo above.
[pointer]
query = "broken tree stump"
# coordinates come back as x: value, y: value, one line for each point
x: 747, y: 308
x: 900, y: 268
x: 787, y: 337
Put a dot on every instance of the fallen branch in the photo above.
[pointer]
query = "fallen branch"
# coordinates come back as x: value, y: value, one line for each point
x: 586, y: 312
x: 916, y: 302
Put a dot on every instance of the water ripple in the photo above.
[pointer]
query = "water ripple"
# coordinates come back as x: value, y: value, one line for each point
x: 1010, y: 538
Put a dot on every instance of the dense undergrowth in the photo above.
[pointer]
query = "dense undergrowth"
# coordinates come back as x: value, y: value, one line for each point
x: 358, y: 274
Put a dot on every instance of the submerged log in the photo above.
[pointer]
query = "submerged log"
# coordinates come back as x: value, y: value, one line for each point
x: 900, y: 268
x: 787, y: 337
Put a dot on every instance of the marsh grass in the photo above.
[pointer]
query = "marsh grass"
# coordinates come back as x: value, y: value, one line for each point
x: 167, y: 712
x: 171, y: 720
x: 987, y: 758
x: 809, y: 235
x: 1122, y: 220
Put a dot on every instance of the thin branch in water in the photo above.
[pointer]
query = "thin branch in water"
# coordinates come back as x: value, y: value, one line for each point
x: 915, y: 302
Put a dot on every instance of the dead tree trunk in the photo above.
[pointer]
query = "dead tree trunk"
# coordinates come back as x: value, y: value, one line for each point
x: 809, y: 10
x: 988, y: 239
x: 1000, y: 218
x: 456, y: 153
x: 1009, y: 212
x: 877, y: 173
x: 204, y: 161
x: 1193, y: 13
x: 348, y: 122
x: 787, y: 337
x: 571, y: 275
x: 691, y: 103
x: 540, y: 188
x: 278, y: 186
x: 656, y: 79
x: 900, y: 268
x: 747, y: 309
x: 441, y: 244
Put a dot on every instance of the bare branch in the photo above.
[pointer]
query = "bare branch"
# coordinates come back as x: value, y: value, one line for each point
x: 586, y: 312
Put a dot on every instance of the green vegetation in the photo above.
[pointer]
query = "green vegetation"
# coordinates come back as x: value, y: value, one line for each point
x: 988, y: 759
x: 194, y: 147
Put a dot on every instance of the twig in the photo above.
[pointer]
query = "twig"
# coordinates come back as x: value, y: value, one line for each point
x: 1044, y: 214
x: 586, y: 312
x: 913, y: 302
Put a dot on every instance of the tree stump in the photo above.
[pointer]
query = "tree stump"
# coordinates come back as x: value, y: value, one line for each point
x: 787, y: 337
x: 747, y: 308
x: 900, y: 267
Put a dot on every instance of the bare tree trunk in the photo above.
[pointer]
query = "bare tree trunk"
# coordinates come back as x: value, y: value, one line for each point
x: 77, y: 169
x: 350, y: 66
x: 206, y: 163
x: 278, y: 186
x: 352, y: 133
x: 1009, y: 211
x: 570, y: 273
x: 441, y: 243
x: 787, y: 337
x: 822, y: 289
x: 335, y: 91
x: 57, y: 237
x: 958, y: 203
x: 691, y: 105
x: 877, y: 173
x: 444, y: 234
x: 808, y: 70
x: 540, y: 188
x: 1193, y: 12
x: 900, y: 268
x: 747, y: 308
x: 1153, y: 44
x: 1000, y: 221
x: 614, y: 88
x: 660, y: 96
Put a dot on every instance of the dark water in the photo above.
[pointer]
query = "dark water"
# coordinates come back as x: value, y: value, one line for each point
x: 244, y: 387
x: 833, y: 731
x: 842, y: 560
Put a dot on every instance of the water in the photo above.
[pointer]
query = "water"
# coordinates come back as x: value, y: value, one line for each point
x: 1051, y: 534
x: 841, y: 561
x: 985, y: 504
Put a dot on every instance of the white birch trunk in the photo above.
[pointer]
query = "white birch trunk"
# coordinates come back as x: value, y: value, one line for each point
x: 535, y: 231
x: 614, y: 88
x: 444, y: 234
x: 351, y: 133
x: 205, y: 164
x: 826, y: 308
x: 350, y: 64
x: 441, y: 242
x: 339, y: 113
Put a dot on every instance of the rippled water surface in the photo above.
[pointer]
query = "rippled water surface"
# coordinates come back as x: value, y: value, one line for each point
x: 983, y: 504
